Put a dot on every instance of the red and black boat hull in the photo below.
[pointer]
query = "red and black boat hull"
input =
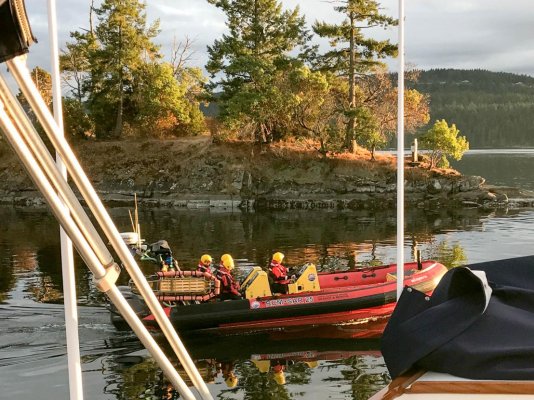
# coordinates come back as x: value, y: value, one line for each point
x: 330, y: 306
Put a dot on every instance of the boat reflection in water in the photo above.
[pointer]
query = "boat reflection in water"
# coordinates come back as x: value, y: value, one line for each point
x: 270, y: 365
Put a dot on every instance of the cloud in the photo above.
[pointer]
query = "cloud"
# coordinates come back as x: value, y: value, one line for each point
x: 489, y: 34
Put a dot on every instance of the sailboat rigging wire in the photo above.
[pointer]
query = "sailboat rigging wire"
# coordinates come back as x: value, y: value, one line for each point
x: 67, y: 255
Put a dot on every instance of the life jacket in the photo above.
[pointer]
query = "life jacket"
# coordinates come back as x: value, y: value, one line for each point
x: 202, y: 268
x: 279, y: 273
x: 228, y: 285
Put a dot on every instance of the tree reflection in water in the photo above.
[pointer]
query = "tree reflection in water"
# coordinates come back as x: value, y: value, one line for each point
x: 30, y: 272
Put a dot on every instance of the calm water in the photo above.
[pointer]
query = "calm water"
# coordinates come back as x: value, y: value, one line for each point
x: 318, y: 364
x: 500, y: 167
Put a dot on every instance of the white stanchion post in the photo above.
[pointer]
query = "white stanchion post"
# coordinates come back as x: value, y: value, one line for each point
x: 400, y: 156
x: 67, y: 256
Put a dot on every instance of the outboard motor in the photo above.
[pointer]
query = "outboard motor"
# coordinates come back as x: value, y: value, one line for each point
x: 15, y: 30
x: 162, y: 252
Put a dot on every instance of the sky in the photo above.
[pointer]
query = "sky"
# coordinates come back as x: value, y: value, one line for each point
x: 488, y: 34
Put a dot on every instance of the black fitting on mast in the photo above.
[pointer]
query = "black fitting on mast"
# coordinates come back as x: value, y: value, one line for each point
x: 15, y: 32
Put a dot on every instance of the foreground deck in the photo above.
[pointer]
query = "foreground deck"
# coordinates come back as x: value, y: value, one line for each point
x: 422, y: 385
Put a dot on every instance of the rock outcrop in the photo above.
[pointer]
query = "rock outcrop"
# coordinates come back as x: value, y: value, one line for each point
x: 195, y: 173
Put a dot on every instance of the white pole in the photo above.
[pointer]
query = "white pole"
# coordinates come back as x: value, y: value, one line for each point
x: 400, y: 156
x: 67, y: 258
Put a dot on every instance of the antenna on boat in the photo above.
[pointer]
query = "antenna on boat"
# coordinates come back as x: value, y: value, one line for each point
x: 15, y: 39
x: 400, y: 156
x: 132, y: 221
x: 137, y: 225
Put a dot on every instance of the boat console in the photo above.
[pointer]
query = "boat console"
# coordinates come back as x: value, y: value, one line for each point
x: 256, y: 284
x: 306, y: 280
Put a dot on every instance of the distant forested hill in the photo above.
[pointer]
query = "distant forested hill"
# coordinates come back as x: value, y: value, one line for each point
x: 492, y: 109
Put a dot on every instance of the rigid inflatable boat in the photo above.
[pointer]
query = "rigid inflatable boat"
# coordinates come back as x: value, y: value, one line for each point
x: 357, y: 296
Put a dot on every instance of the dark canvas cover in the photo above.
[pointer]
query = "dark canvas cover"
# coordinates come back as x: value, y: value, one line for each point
x: 15, y: 32
x: 454, y: 332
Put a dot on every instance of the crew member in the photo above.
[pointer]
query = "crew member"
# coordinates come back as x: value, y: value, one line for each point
x: 279, y: 375
x: 229, y: 287
x: 231, y: 380
x: 278, y: 274
x: 204, y: 264
x: 226, y: 369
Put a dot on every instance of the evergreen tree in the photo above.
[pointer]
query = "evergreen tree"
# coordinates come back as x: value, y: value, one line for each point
x: 245, y: 63
x: 351, y: 52
x: 124, y: 45
x: 74, y: 63
x: 117, y: 75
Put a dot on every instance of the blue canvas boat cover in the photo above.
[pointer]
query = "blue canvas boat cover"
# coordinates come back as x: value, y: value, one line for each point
x: 465, y: 329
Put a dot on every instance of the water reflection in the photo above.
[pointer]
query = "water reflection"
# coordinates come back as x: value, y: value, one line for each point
x: 29, y: 242
x: 267, y: 366
x: 316, y: 364
x: 500, y: 167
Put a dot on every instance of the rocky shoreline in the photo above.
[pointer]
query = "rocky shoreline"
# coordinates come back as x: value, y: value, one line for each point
x: 198, y: 174
x: 457, y: 192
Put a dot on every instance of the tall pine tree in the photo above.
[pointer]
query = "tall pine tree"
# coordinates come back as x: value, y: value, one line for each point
x: 117, y: 74
x: 353, y: 53
x: 244, y: 64
x: 124, y: 46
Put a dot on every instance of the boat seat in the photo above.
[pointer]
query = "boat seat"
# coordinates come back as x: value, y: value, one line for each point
x: 392, y: 276
x: 256, y: 284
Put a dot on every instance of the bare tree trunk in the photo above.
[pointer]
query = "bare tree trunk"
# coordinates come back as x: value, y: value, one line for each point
x: 349, y: 134
x: 117, y: 132
x: 91, y: 28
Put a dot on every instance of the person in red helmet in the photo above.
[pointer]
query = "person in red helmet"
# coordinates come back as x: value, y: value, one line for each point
x: 229, y: 287
x: 278, y: 274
